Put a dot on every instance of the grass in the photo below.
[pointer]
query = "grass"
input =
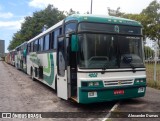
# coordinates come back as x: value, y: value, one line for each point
x: 150, y: 75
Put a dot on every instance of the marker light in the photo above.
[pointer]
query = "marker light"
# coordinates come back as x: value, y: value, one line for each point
x: 96, y: 83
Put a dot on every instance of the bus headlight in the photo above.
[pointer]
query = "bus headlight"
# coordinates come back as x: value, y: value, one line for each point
x: 140, y: 81
x: 90, y: 84
x: 93, y: 84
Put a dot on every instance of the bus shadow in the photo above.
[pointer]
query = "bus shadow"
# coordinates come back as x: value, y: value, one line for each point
x: 132, y: 101
x: 92, y: 107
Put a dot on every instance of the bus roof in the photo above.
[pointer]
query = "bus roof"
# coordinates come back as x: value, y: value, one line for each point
x: 102, y: 19
x: 90, y: 18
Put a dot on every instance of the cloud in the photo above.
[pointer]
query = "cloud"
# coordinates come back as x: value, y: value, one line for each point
x: 6, y: 15
x: 40, y: 3
x: 13, y: 25
x: 99, y: 6
x: 63, y: 5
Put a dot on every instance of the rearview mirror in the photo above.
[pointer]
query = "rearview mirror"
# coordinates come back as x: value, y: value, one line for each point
x: 74, y: 43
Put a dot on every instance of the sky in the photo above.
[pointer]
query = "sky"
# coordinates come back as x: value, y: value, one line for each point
x: 13, y: 12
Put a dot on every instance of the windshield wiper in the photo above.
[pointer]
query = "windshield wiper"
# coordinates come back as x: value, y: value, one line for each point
x: 104, y: 68
x: 133, y: 67
x: 128, y: 60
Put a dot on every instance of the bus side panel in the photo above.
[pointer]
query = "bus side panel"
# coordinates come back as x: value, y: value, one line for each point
x: 44, y: 65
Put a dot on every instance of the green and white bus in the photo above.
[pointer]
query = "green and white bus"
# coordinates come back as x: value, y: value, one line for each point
x: 12, y: 57
x: 90, y: 58
x: 21, y: 57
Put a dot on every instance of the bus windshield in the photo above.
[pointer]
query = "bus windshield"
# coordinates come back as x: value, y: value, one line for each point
x: 97, y: 51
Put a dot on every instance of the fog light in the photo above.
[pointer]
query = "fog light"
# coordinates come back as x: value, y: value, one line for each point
x: 141, y: 90
x: 96, y: 83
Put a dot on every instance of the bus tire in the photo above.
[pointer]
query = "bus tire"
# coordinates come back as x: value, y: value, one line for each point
x: 56, y: 84
x: 32, y: 76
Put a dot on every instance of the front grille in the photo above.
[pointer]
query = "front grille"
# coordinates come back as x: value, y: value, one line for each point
x: 118, y: 83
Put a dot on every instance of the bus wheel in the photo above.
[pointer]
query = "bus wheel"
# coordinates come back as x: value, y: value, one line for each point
x: 56, y: 84
x: 32, y: 76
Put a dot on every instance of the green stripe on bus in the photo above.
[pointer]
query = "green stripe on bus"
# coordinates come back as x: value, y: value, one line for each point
x: 49, y: 79
x: 47, y: 70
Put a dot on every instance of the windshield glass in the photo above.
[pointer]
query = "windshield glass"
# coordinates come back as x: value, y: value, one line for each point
x: 130, y: 51
x: 99, y: 51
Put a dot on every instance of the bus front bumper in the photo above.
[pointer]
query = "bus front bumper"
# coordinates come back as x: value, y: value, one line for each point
x: 93, y: 95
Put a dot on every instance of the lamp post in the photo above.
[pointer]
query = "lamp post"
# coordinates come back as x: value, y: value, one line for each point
x: 91, y: 7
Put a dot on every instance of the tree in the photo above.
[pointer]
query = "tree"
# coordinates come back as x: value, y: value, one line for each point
x: 143, y: 19
x: 149, y: 18
x: 116, y: 13
x: 153, y: 13
x: 32, y: 26
x: 71, y: 11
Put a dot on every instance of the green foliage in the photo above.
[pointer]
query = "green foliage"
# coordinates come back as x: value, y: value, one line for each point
x: 143, y: 19
x: 116, y: 13
x: 32, y: 26
x: 153, y: 13
x: 150, y: 19
x: 71, y: 11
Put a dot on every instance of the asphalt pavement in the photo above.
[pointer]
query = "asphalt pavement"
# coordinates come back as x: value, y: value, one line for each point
x: 18, y: 93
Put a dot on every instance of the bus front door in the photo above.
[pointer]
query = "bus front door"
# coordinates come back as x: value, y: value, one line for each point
x: 62, y: 84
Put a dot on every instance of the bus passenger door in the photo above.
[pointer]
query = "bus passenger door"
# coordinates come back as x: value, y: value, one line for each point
x: 62, y: 88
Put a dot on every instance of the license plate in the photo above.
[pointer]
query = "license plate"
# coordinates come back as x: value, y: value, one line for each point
x: 141, y: 89
x: 92, y: 94
x: 118, y: 92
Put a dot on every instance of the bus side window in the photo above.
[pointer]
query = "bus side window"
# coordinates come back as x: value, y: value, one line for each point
x: 41, y: 44
x: 28, y: 47
x: 56, y: 33
x: 46, y: 42
x: 60, y: 31
x: 50, y: 41
x: 36, y: 46
x: 71, y: 27
x: 31, y: 46
x: 61, y: 57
